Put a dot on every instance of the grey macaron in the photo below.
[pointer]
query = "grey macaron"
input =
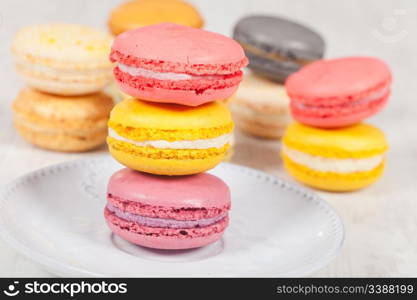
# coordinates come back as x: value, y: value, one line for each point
x: 277, y: 47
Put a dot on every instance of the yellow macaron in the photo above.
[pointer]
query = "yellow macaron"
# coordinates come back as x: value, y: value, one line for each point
x: 344, y: 159
x: 169, y: 139
x: 70, y: 124
x: 63, y: 59
x: 139, y: 13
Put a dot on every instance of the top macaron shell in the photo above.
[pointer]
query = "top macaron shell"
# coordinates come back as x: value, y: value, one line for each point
x: 210, y: 62
x: 132, y: 113
x: 357, y: 141
x: 64, y: 46
x: 190, y: 47
x: 63, y: 59
x: 197, y: 191
x: 339, y: 92
x: 351, y: 77
x: 278, y: 47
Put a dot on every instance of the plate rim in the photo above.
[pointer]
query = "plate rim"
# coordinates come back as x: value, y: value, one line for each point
x: 55, y: 266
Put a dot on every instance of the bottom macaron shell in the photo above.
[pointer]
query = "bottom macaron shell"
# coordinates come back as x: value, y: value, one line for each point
x: 163, y: 166
x: 338, y: 119
x: 168, y: 243
x: 277, y: 71
x: 161, y: 241
x: 62, y: 141
x: 184, y: 97
x: 330, y: 181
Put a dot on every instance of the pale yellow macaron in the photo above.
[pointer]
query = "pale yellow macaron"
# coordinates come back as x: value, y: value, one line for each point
x: 261, y: 107
x: 63, y: 59
x: 69, y: 124
x: 140, y: 13
x: 343, y: 159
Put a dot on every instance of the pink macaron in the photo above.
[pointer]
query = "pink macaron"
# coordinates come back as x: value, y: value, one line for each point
x: 339, y: 92
x: 167, y: 212
x: 177, y: 64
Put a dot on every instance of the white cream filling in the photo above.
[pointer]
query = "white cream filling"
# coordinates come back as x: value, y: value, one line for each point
x: 134, y: 71
x: 372, y: 97
x: 325, y: 164
x: 217, y: 142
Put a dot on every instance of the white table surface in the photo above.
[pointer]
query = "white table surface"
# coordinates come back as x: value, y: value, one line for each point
x: 381, y: 226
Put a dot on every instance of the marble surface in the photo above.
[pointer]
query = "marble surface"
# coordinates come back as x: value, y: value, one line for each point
x: 380, y: 221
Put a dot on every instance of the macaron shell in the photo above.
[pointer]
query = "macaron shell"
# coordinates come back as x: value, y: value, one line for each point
x: 278, y: 35
x: 253, y: 127
x: 330, y: 181
x: 277, y: 47
x: 164, y: 242
x: 141, y: 114
x: 272, y: 70
x: 334, y: 79
x: 262, y: 95
x: 357, y: 141
x: 198, y: 191
x: 339, y: 117
x: 174, y: 165
x: 58, y: 86
x: 188, y: 217
x: 192, y: 46
x: 64, y: 46
x: 59, y: 112
x: 133, y: 14
x: 175, y: 96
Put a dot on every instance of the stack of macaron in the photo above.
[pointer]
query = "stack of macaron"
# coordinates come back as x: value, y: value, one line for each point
x: 65, y: 67
x: 276, y: 48
x: 173, y: 128
x: 329, y: 148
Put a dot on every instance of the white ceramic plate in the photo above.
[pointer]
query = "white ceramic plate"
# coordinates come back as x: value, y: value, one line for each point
x: 54, y: 216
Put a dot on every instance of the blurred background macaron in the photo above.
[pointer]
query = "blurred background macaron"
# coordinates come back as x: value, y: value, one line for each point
x: 340, y: 160
x: 261, y: 107
x: 69, y: 124
x: 339, y: 92
x: 63, y: 59
x: 277, y: 47
x: 138, y: 13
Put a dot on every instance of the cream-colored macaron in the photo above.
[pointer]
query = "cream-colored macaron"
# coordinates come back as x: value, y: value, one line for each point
x: 113, y: 91
x: 138, y: 13
x: 261, y: 107
x: 63, y: 59
x: 70, y: 124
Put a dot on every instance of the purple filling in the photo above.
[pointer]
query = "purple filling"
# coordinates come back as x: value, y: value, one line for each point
x: 164, y: 223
